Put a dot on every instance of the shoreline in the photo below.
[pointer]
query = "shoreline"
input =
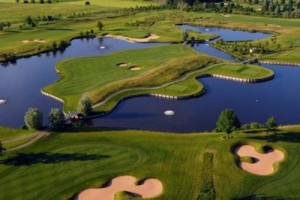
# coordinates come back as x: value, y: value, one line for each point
x: 279, y: 63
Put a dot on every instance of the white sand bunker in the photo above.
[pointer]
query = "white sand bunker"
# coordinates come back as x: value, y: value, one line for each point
x: 134, y: 68
x: 225, y: 15
x: 264, y: 162
x: 25, y: 41
x: 39, y: 41
x: 138, y: 40
x: 122, y: 64
x: 35, y: 40
x: 148, y: 189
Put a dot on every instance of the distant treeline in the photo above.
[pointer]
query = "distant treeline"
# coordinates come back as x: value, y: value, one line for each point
x: 278, y: 8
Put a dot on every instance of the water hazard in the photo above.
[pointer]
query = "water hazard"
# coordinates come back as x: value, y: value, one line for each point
x: 20, y: 85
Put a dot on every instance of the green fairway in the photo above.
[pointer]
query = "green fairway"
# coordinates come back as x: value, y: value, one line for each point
x: 64, y: 164
x: 101, y: 76
x: 241, y: 71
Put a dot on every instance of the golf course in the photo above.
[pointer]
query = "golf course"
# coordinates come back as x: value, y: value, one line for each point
x: 149, y: 99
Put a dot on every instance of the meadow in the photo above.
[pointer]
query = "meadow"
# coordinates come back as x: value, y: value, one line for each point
x: 62, y: 165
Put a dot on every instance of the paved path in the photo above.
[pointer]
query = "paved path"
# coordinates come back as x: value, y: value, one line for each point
x: 39, y: 135
x: 154, y: 88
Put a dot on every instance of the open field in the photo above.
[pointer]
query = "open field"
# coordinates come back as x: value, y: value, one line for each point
x: 37, y: 171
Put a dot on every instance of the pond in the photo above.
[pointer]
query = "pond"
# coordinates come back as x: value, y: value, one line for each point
x: 20, y: 85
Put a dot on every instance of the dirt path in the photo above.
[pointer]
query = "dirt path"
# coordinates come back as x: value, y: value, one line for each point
x: 39, y: 135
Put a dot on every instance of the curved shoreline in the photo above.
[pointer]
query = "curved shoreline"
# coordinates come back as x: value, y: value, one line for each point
x: 52, y: 97
x: 280, y: 63
x: 244, y: 80
x: 170, y: 97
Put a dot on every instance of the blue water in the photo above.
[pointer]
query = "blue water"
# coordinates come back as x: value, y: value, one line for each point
x: 252, y: 102
x: 20, y: 85
x: 228, y: 34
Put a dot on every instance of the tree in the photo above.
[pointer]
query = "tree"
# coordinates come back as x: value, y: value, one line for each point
x: 33, y: 119
x: 271, y: 124
x: 277, y: 10
x: 2, y: 25
x: 30, y: 21
x: 54, y: 45
x: 298, y: 4
x: 1, y: 148
x: 56, y: 119
x: 185, y: 36
x: 228, y: 122
x: 100, y: 25
x: 85, y: 106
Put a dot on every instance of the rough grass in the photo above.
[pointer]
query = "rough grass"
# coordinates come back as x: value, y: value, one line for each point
x: 62, y: 165
x: 207, y: 190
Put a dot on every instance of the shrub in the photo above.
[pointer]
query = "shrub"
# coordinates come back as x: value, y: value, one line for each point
x: 207, y: 190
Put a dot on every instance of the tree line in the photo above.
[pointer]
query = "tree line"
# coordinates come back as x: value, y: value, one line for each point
x: 228, y: 122
x: 278, y: 8
x: 34, y: 117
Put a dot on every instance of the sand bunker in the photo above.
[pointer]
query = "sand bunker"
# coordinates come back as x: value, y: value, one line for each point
x: 35, y: 40
x: 25, y: 41
x: 135, y: 68
x: 264, y: 161
x: 138, y: 40
x: 39, y: 41
x: 225, y: 15
x: 149, y: 189
x: 122, y: 64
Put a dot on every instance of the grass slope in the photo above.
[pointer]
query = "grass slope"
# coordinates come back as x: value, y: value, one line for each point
x: 64, y: 164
